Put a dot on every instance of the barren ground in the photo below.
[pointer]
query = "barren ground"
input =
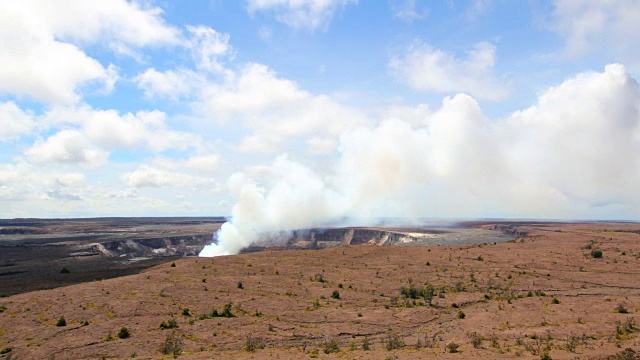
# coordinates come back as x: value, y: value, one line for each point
x: 542, y: 293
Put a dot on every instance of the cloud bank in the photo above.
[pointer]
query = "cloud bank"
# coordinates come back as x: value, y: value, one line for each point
x: 574, y: 154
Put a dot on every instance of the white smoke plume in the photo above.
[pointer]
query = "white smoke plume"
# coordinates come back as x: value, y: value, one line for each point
x: 575, y: 154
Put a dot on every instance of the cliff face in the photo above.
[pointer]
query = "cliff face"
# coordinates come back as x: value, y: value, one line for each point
x: 189, y: 245
x: 313, y: 239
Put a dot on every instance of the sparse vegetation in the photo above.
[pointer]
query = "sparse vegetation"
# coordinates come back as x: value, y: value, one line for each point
x: 621, y: 309
x: 366, y: 344
x: 252, y: 344
x: 475, y: 339
x: 240, y: 286
x: 330, y: 346
x: 6, y: 350
x: 393, y: 341
x: 461, y: 315
x: 61, y: 321
x: 335, y: 294
x: 124, y: 333
x: 596, y: 253
x: 185, y: 312
x: 171, y: 324
x: 172, y: 345
x: 65, y: 271
x: 452, y: 347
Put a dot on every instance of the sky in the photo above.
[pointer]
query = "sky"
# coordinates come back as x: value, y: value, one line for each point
x: 290, y: 113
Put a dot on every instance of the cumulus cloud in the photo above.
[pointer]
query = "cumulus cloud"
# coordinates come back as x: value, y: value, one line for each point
x: 14, y: 122
x: 40, y: 57
x: 274, y: 109
x: 67, y: 146
x: 170, y: 84
x: 574, y: 154
x: 311, y: 14
x: 591, y: 25
x: 425, y: 68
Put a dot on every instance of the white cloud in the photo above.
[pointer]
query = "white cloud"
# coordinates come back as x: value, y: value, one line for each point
x: 588, y: 26
x: 425, y: 68
x: 14, y: 122
x: 274, y: 109
x: 107, y: 129
x: 39, y: 56
x: 169, y: 84
x: 407, y: 10
x: 207, y: 46
x: 67, y: 146
x: 147, y: 176
x: 310, y: 14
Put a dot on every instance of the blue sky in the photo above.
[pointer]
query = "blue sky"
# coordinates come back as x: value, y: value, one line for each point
x: 463, y: 109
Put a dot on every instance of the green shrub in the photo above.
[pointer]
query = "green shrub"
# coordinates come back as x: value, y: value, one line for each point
x: 185, y: 312
x: 330, y: 346
x: 335, y: 294
x: 6, y: 350
x: 64, y: 271
x: 461, y: 315
x: 240, y: 286
x: 453, y: 347
x: 621, y: 309
x: 412, y: 292
x: 393, y: 341
x: 61, y: 321
x: 596, y: 253
x: 124, y: 333
x: 555, y: 301
x: 171, y: 324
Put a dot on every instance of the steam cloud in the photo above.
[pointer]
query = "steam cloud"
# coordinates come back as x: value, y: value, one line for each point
x: 575, y: 154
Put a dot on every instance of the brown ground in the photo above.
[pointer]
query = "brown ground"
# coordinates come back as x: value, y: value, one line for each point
x: 283, y: 307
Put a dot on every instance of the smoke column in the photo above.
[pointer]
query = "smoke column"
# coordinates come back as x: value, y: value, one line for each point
x: 574, y: 154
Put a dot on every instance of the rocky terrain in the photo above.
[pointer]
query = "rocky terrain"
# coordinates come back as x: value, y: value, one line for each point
x: 559, y: 291
x: 33, y: 252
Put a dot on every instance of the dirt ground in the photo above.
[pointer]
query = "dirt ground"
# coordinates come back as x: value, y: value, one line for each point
x: 543, y: 295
